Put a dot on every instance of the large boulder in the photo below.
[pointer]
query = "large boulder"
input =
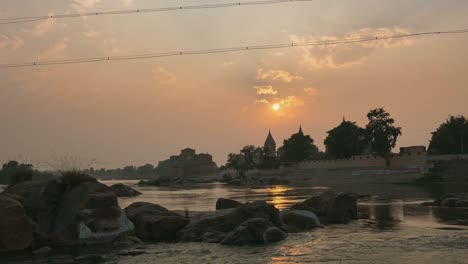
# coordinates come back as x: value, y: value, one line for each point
x: 16, y: 229
x: 331, y: 207
x: 72, y: 210
x: 122, y: 190
x: 273, y: 234
x: 253, y: 231
x: 223, y: 203
x: 213, y: 226
x: 300, y: 219
x: 154, y: 222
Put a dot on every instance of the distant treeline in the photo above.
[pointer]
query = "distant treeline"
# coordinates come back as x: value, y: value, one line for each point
x: 131, y: 172
x: 13, y: 172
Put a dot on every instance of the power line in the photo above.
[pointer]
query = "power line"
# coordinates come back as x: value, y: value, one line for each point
x: 224, y: 50
x: 17, y: 20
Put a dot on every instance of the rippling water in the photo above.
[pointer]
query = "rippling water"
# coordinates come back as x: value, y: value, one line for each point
x: 397, y: 229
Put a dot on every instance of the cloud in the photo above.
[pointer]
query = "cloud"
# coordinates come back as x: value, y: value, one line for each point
x: 163, y: 76
x: 127, y: 3
x: 10, y: 43
x: 265, y: 89
x: 262, y: 101
x: 310, y: 91
x: 84, y: 5
x: 55, y: 51
x: 228, y: 63
x: 89, y: 34
x: 290, y: 101
x: 345, y: 55
x: 43, y: 27
x: 277, y: 75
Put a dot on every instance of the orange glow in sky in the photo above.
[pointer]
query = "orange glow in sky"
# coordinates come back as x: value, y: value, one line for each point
x: 276, y: 107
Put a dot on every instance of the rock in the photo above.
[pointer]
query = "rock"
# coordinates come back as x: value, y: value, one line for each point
x: 450, y: 200
x: 300, y: 219
x: 248, y: 232
x: 90, y: 259
x: 213, y: 226
x: 16, y: 229
x: 331, y: 207
x: 223, y: 203
x: 454, y: 202
x: 273, y: 235
x: 73, y: 209
x: 42, y: 251
x: 132, y: 253
x: 236, y: 182
x: 154, y: 222
x: 149, y: 183
x: 122, y: 190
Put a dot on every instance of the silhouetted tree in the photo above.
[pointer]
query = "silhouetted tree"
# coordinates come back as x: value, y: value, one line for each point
x: 451, y: 137
x: 145, y: 170
x: 381, y: 134
x: 14, y: 172
x: 298, y: 148
x: 129, y: 171
x: 249, y: 153
x: 237, y: 162
x: 345, y: 140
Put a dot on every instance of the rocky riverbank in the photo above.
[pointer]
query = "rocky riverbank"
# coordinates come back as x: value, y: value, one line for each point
x: 158, y: 231
x: 76, y: 211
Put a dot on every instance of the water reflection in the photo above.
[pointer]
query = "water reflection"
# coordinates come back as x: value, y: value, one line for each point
x: 382, y: 213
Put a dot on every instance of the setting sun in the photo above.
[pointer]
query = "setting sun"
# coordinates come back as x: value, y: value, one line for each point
x: 275, y: 107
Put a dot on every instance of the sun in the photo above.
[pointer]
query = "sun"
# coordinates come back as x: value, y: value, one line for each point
x: 275, y: 107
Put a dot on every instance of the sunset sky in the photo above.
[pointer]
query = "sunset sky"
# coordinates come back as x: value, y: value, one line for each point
x: 142, y: 111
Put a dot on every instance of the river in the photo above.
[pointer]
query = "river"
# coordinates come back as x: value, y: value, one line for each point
x: 398, y: 230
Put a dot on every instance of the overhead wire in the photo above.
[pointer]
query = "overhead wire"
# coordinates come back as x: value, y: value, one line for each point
x: 26, y: 19
x: 224, y: 50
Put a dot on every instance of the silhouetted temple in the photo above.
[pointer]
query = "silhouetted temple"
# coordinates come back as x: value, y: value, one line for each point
x: 270, y: 146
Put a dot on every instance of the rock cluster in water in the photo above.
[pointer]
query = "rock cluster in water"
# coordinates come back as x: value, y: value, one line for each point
x: 79, y: 210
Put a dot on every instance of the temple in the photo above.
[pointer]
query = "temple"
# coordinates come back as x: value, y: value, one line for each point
x: 270, y: 146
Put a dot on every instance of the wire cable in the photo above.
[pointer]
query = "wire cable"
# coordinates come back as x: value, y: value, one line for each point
x: 224, y: 50
x: 17, y: 20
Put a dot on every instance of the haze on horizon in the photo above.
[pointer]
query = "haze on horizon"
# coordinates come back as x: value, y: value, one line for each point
x: 137, y: 112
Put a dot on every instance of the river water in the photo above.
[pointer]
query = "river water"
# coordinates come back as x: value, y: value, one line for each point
x: 397, y: 229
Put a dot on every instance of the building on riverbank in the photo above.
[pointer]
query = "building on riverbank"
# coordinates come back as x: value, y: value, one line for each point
x: 187, y: 165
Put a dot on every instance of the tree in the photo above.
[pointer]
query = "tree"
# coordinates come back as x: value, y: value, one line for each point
x: 451, y: 137
x: 237, y: 162
x: 129, y: 171
x: 345, y: 140
x: 298, y: 148
x: 249, y: 153
x: 14, y: 172
x: 381, y: 134
x: 146, y: 170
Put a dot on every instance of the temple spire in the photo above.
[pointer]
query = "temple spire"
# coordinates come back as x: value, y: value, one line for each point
x: 300, y: 129
x: 270, y: 145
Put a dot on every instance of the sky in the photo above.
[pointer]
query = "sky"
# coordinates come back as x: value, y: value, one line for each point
x: 143, y: 111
